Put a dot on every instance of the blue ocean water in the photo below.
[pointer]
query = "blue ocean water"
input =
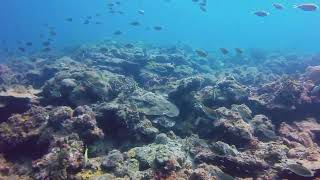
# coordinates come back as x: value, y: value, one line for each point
x: 226, y: 23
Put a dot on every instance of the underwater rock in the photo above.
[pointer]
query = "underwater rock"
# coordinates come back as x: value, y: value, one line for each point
x: 263, y: 128
x: 166, y: 158
x: 242, y: 165
x: 146, y: 129
x: 152, y: 104
x: 296, y: 171
x: 224, y: 149
x: 63, y: 160
x: 283, y: 94
x: 230, y: 127
x: 304, y: 132
x: 214, y: 172
x: 80, y: 120
x: 24, y: 131
x: 228, y: 91
x: 225, y: 93
x: 84, y: 87
x: 113, y: 160
x: 79, y: 87
x: 16, y: 99
x: 313, y: 73
x: 7, y: 76
x: 123, y: 122
x: 194, y: 145
x: 243, y: 110
x: 10, y: 170
x: 192, y: 111
x: 164, y: 122
x: 59, y: 115
x: 272, y: 152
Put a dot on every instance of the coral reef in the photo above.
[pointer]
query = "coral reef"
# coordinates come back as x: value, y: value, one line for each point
x: 135, y: 111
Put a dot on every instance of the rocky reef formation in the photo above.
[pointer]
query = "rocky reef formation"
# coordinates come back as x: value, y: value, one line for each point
x: 134, y: 111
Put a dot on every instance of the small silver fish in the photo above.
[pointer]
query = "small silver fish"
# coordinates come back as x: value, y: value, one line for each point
x: 141, y: 12
x: 307, y: 7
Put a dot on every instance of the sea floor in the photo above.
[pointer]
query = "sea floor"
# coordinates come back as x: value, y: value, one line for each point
x: 133, y: 111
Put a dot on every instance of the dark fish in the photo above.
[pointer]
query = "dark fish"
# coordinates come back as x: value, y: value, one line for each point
x: 120, y: 12
x: 238, y: 50
x: 118, y: 32
x: 157, y: 28
x: 201, y: 53
x: 98, y: 23
x: 118, y: 3
x: 22, y: 49
x: 307, y: 7
x: 135, y: 23
x: 277, y: 6
x: 128, y: 45
x: 98, y: 15
x: 46, y: 43
x: 110, y: 4
x: 69, y: 19
x: 28, y: 43
x: 224, y: 51
x: 261, y: 13
x: 89, y: 17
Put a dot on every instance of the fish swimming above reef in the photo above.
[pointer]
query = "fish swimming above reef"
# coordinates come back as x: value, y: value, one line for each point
x: 307, y: 7
x: 238, y: 50
x: 22, y: 49
x: 277, y: 6
x: 201, y: 53
x: 224, y: 51
x: 28, y: 43
x: 46, y: 43
x: 261, y: 13
x: 158, y: 28
x: 118, y: 32
x: 135, y: 23
x: 69, y: 19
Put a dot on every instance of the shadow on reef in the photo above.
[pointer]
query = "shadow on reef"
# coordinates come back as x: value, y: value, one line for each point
x: 129, y: 111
